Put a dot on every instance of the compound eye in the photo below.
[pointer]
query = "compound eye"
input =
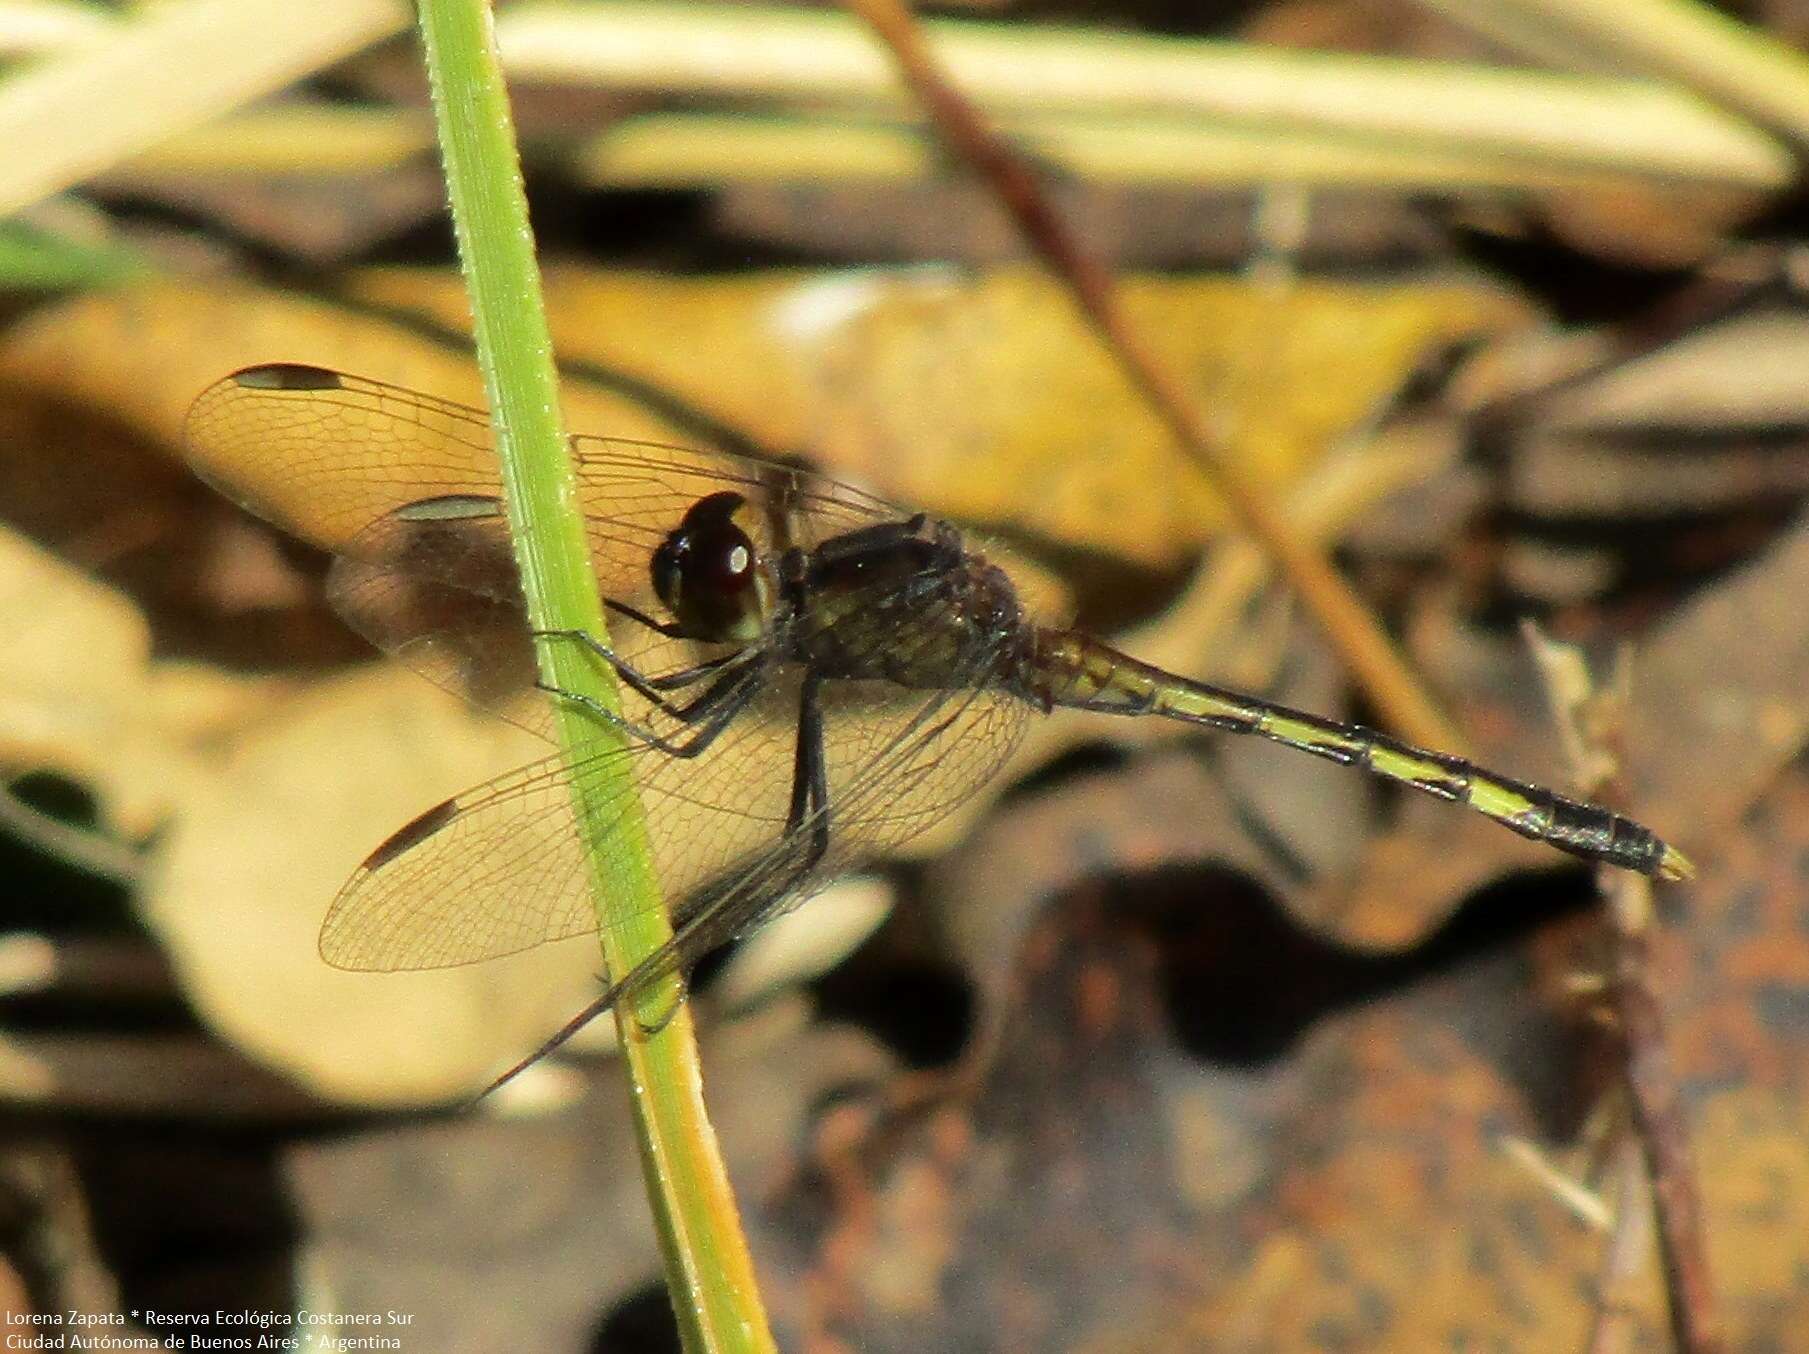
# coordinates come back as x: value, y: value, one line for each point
x: 706, y: 572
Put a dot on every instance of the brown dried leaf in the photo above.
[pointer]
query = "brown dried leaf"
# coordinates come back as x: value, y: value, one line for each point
x: 1103, y: 1186
x: 1103, y: 1178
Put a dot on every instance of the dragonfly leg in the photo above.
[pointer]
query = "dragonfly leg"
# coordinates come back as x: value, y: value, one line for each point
x: 810, y: 774
x: 670, y: 629
x: 733, y: 909
x: 680, y: 678
x: 809, y: 803
x: 659, y: 1022
x: 707, y: 716
x: 651, y: 689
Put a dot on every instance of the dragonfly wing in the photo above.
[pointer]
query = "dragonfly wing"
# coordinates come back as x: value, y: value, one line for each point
x: 404, y: 488
x: 444, y: 597
x: 491, y: 872
x: 500, y: 869
x: 325, y: 454
x: 890, y: 778
x: 637, y: 492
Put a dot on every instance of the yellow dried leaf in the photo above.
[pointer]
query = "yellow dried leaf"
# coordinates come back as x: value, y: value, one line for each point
x: 258, y: 848
x: 985, y: 397
x: 185, y: 337
x: 81, y: 696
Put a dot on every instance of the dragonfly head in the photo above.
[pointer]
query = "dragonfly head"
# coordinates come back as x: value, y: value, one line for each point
x: 708, y: 573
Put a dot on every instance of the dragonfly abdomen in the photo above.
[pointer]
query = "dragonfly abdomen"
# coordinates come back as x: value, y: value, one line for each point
x: 1073, y: 670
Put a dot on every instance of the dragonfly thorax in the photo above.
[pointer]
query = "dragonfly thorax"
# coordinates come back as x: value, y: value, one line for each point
x: 903, y: 602
x: 709, y: 574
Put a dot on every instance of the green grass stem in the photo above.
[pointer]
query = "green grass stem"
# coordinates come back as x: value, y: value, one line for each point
x: 708, y: 1270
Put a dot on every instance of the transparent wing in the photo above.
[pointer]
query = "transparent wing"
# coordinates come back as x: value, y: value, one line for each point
x: 325, y: 454
x: 956, y: 743
x: 444, y: 597
x: 404, y: 488
x: 499, y: 869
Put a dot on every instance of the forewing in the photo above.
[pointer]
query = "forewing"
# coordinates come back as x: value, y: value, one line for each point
x: 404, y: 488
x: 439, y: 591
x: 636, y: 492
x: 324, y: 455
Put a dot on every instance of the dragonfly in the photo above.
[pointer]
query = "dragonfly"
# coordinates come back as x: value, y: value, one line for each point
x: 809, y: 675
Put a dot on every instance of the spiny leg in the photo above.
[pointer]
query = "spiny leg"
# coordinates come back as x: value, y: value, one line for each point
x: 679, y: 678
x: 709, y: 715
x: 670, y: 629
x: 810, y: 775
x: 651, y: 689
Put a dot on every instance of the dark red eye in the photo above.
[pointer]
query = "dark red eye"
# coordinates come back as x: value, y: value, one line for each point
x: 704, y: 571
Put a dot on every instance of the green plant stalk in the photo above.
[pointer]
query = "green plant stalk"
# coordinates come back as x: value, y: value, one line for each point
x: 709, y: 1273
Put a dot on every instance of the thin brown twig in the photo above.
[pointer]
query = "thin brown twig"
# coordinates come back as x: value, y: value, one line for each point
x: 1591, y: 724
x: 1360, y: 641
x: 1629, y: 1242
x: 1662, y: 1136
x: 1658, y: 1120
